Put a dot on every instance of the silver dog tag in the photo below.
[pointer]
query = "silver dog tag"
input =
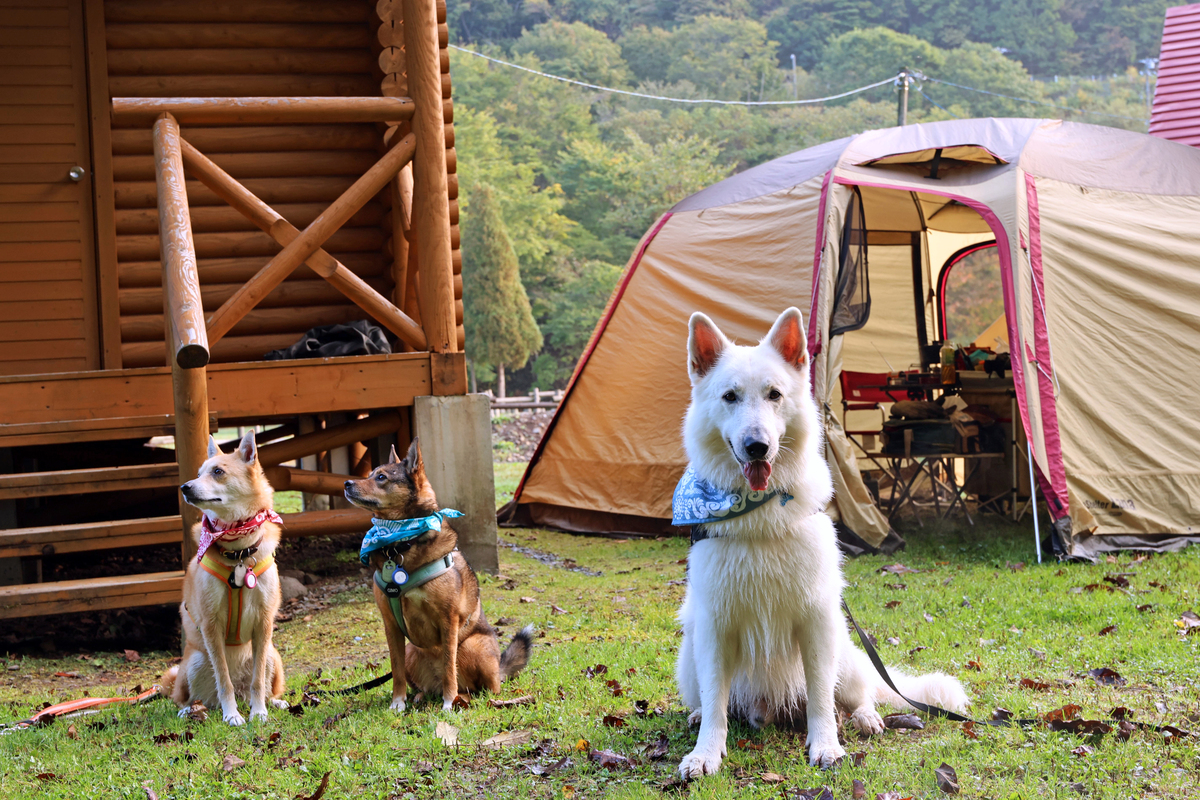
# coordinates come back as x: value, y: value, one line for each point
x: 239, y: 575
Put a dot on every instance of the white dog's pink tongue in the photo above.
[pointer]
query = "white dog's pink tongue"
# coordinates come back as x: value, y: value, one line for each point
x: 756, y: 473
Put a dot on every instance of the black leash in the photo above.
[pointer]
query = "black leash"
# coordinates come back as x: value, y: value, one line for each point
x: 362, y: 687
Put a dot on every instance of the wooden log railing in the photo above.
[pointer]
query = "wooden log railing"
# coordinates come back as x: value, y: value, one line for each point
x: 425, y: 291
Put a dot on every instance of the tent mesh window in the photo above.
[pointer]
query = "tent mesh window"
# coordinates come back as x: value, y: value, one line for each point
x: 852, y: 298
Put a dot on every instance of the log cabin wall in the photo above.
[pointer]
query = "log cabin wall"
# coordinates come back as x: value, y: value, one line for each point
x: 245, y: 48
x: 47, y: 271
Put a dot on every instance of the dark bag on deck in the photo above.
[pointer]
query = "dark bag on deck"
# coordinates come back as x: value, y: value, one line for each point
x: 358, y: 338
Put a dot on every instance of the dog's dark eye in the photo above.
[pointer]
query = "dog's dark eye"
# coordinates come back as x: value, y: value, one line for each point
x: 729, y: 397
x: 380, y: 477
x: 217, y: 472
x: 774, y: 394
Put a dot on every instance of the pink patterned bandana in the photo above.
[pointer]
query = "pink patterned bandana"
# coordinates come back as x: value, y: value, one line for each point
x: 210, y: 534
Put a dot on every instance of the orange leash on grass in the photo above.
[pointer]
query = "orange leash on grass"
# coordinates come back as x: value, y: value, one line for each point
x: 76, y: 707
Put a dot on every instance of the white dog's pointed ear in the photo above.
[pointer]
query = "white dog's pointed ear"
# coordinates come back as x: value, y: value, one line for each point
x: 393, y: 458
x: 705, y: 345
x: 248, y: 448
x: 787, y: 337
x: 213, y: 450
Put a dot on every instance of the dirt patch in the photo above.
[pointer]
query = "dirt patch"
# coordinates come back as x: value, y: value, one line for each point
x: 515, y: 434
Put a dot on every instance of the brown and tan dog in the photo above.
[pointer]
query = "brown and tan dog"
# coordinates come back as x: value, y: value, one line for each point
x: 231, y: 590
x: 451, y: 647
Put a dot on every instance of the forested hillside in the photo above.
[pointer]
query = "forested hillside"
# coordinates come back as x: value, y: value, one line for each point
x: 580, y: 174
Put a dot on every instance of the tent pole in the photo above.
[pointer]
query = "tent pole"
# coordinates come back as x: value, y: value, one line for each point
x: 1037, y: 534
x: 902, y: 102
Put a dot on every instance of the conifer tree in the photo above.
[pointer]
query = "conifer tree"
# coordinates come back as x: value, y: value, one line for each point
x: 501, y: 330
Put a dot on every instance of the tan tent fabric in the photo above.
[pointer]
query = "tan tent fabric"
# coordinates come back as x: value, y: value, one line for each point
x: 1100, y: 251
x: 1122, y: 282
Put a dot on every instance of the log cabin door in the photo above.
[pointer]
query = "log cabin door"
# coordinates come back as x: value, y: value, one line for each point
x: 48, y: 309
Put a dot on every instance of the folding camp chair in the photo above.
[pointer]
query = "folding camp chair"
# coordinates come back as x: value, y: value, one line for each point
x: 861, y: 392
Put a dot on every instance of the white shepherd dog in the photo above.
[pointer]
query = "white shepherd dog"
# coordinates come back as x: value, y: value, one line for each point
x: 763, y: 633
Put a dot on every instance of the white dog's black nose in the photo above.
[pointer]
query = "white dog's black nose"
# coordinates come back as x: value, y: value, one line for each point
x: 755, y: 449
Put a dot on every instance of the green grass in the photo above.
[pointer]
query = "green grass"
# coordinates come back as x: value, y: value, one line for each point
x: 508, y: 475
x: 624, y: 619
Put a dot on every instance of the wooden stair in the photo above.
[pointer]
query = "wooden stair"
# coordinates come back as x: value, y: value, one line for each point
x: 22, y: 485
x: 69, y: 431
x: 125, y: 591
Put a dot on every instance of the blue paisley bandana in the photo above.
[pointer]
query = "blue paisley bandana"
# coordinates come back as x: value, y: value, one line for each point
x: 386, y: 532
x: 697, y: 501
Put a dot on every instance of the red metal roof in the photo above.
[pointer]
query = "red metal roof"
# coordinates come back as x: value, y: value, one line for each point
x: 1176, y: 111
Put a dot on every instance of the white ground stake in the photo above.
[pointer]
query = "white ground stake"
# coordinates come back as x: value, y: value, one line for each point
x: 1037, y: 535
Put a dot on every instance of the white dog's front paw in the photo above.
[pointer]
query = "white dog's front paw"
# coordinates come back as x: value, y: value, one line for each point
x: 697, y: 763
x: 448, y: 704
x: 867, y: 720
x: 183, y: 712
x: 694, y: 718
x: 279, y: 702
x: 397, y: 705
x: 234, y: 718
x: 825, y: 755
x: 258, y: 714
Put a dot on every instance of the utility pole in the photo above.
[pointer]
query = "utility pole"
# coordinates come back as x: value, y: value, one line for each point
x: 902, y: 80
x: 1150, y: 68
x: 795, y: 81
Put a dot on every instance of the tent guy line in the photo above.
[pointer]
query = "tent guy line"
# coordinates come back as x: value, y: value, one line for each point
x: 675, y: 99
x: 814, y: 100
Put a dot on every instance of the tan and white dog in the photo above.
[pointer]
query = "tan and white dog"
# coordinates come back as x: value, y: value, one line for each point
x: 231, y: 590
x: 763, y: 634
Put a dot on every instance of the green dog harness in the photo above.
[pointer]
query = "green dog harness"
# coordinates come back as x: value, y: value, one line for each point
x: 399, y: 583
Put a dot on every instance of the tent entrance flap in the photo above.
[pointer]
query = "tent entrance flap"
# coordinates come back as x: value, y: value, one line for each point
x: 852, y: 292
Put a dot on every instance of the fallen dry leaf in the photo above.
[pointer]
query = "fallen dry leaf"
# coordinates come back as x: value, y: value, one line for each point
x: 614, y: 687
x: 1002, y: 715
x: 231, y: 762
x: 528, y: 600
x: 47, y: 776
x: 640, y: 707
x: 523, y: 700
x: 507, y: 739
x: 1037, y: 686
x: 1106, y: 676
x: 968, y: 730
x: 1015, y: 567
x: 1146, y: 607
x: 132, y: 655
x: 1121, y: 712
x: 1187, y: 622
x: 71, y: 732
x: 150, y: 793
x: 556, y: 610
x: 197, y: 712
x: 947, y: 778
x: 903, y: 722
x: 746, y: 744
x: 858, y: 789
x: 582, y: 745
x: 447, y: 733
x: 657, y: 749
x: 928, y: 617
x: 897, y: 569
x: 460, y: 701
x: 897, y: 586
x: 613, y: 721
x: 772, y: 777
x: 1083, y: 751
x: 1118, y: 580
x: 891, y: 604
x: 975, y: 665
x: 1125, y: 729
x: 319, y: 793
x: 1105, y: 631
x: 591, y: 672
x: 609, y: 760
x: 1069, y: 711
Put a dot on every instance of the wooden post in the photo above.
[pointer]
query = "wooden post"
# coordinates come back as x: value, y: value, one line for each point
x: 402, y: 192
x: 431, y: 208
x: 191, y: 439
x: 181, y: 282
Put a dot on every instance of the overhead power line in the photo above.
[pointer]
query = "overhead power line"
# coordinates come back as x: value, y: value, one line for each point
x: 691, y: 101
x: 859, y: 90
x: 1033, y: 102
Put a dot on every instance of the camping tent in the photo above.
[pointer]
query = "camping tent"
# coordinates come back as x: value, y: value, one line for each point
x: 1097, y: 236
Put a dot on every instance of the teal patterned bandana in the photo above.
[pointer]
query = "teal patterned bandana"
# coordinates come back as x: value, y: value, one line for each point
x: 385, y: 532
x: 697, y: 501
